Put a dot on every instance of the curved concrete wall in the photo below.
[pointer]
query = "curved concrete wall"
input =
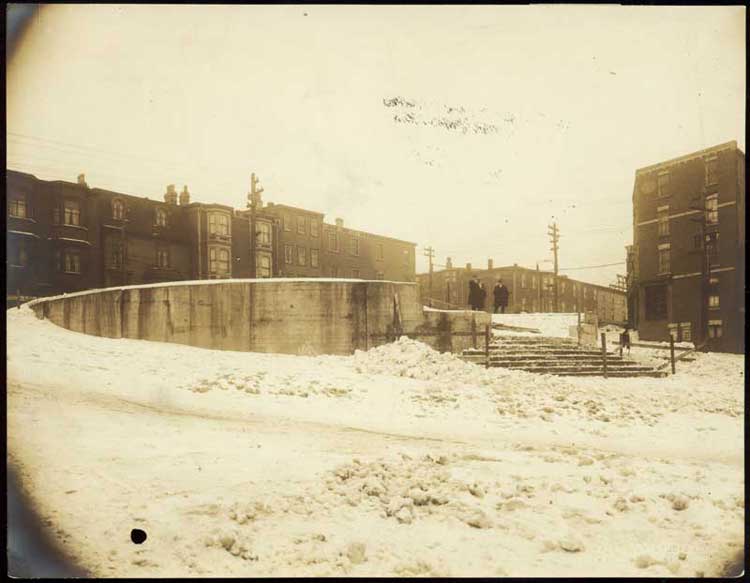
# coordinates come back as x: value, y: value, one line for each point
x: 285, y: 316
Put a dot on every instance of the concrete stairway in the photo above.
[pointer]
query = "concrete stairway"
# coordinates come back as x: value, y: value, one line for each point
x: 558, y: 356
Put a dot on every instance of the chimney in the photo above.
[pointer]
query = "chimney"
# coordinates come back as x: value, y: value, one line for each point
x: 82, y: 180
x: 489, y: 264
x: 184, y: 196
x: 468, y: 267
x: 339, y: 222
x: 449, y: 263
x: 170, y: 197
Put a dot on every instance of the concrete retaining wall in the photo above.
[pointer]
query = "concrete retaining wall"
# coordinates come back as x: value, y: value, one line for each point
x: 283, y: 316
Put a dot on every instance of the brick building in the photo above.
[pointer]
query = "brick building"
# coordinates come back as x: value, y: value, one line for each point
x: 531, y: 290
x: 686, y: 266
x: 64, y: 237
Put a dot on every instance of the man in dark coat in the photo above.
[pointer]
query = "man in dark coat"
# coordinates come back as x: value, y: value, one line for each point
x: 501, y: 294
x: 482, y: 297
x: 473, y: 293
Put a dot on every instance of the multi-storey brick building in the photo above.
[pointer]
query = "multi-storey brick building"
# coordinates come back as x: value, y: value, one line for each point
x: 686, y: 265
x: 531, y: 290
x: 64, y: 237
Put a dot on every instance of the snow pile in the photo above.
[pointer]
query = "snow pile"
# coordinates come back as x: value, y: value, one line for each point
x: 412, y: 359
x: 548, y: 324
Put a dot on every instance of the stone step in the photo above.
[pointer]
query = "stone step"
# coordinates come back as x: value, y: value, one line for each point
x: 614, y: 374
x: 573, y: 369
x: 536, y: 358
x: 551, y: 353
x: 523, y: 363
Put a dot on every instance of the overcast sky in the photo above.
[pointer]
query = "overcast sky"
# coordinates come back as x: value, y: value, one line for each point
x: 469, y: 129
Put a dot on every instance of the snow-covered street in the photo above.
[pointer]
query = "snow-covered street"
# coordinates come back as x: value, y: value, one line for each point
x: 396, y: 461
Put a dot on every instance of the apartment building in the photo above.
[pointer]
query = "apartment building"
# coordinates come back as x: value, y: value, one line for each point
x: 531, y: 290
x: 686, y: 266
x: 67, y: 236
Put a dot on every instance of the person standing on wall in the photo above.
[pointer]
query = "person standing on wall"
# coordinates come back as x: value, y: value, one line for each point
x: 473, y: 293
x: 501, y: 294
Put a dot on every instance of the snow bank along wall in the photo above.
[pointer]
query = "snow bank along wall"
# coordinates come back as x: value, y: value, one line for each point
x: 290, y: 317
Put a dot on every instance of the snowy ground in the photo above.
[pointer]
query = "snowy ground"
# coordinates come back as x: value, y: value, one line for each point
x: 398, y: 461
x: 547, y: 324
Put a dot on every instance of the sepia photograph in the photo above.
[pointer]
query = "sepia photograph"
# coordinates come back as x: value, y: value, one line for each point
x: 375, y: 291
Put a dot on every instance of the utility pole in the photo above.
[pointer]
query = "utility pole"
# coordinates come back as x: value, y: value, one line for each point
x: 429, y: 252
x: 252, y: 202
x: 554, y: 239
x: 700, y: 206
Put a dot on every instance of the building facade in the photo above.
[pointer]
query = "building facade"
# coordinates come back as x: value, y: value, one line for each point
x: 686, y: 266
x: 64, y: 237
x: 531, y: 290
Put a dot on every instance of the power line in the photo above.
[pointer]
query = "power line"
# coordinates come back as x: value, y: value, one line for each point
x: 592, y: 266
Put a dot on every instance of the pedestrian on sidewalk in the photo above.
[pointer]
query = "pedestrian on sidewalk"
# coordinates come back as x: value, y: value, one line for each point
x: 482, y: 297
x: 501, y: 293
x: 625, y: 340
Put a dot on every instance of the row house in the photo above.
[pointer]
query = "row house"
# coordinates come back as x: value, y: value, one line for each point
x: 531, y: 290
x: 64, y: 237
x: 686, y: 265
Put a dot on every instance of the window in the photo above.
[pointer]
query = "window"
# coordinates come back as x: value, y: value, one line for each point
x: 562, y: 306
x: 263, y: 233
x: 379, y: 252
x: 263, y: 265
x: 533, y: 282
x: 333, y: 241
x: 218, y: 224
x: 71, y: 261
x: 712, y: 247
x: 72, y: 213
x: 663, y: 221
x: 218, y: 261
x: 656, y: 302
x: 288, y: 254
x: 334, y: 271
x: 118, y: 209
x: 21, y: 256
x: 314, y: 228
x: 714, y: 328
x: 301, y: 255
x: 662, y: 184
x: 115, y: 256
x: 301, y: 225
x: 697, y: 242
x: 523, y: 304
x: 663, y: 264
x: 673, y: 331
x: 160, y: 217
x: 287, y: 223
x: 712, y: 167
x: 380, y: 275
x: 405, y: 257
x: 562, y: 287
x: 162, y: 257
x: 712, y: 210
x: 354, y: 245
x: 355, y: 273
x: 713, y: 301
x: 17, y: 207
x: 314, y: 258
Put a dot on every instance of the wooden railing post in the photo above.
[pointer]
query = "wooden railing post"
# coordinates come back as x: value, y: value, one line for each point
x: 487, y: 345
x: 474, y: 330
x: 671, y: 352
x: 604, y: 353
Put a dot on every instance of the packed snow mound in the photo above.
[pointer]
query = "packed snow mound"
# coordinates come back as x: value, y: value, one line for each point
x: 552, y: 324
x: 410, y: 358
